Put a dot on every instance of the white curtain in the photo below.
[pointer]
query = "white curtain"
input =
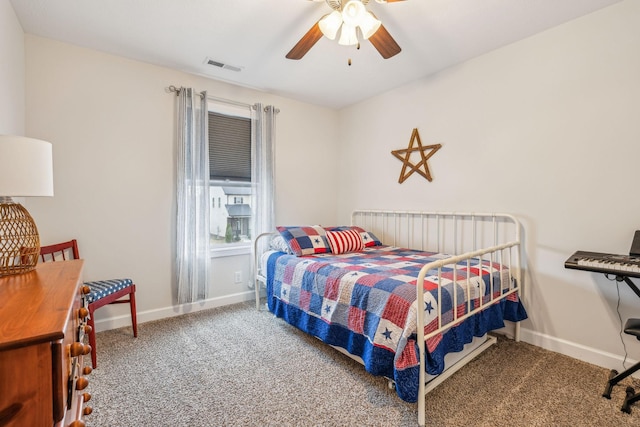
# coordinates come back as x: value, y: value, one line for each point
x: 263, y: 168
x: 193, y: 254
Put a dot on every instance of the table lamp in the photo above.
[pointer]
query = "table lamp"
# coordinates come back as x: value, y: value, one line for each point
x: 26, y: 170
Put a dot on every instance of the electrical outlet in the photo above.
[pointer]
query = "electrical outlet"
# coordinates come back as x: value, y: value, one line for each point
x: 238, y: 278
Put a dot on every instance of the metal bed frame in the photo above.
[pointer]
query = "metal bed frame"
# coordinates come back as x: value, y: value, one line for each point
x: 492, y: 237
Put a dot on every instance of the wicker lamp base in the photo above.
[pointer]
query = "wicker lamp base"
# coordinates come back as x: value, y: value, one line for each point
x: 19, y: 239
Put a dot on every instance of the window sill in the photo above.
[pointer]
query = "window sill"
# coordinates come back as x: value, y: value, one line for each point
x: 232, y: 250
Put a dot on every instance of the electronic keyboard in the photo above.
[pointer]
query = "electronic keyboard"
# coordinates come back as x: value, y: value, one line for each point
x: 619, y: 265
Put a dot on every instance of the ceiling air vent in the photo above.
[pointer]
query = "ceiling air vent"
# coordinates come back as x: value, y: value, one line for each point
x: 223, y: 65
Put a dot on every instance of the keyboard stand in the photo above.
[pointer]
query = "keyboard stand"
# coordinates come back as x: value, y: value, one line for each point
x: 632, y: 327
x: 623, y: 268
x: 628, y: 281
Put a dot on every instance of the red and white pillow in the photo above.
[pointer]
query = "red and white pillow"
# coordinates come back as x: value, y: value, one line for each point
x: 344, y: 241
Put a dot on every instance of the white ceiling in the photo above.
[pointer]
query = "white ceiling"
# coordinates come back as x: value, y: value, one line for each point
x: 255, y: 35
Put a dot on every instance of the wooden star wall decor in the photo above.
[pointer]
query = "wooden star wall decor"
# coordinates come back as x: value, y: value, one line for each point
x: 422, y: 167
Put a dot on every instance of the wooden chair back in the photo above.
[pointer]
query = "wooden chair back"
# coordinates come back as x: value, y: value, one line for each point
x: 60, y: 251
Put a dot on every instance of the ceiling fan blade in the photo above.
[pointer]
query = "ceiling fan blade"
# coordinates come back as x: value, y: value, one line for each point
x: 384, y: 43
x: 305, y: 43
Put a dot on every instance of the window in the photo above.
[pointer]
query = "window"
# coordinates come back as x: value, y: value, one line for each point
x: 230, y: 176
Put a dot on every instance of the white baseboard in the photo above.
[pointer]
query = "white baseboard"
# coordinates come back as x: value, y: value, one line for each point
x: 172, y: 311
x: 577, y: 351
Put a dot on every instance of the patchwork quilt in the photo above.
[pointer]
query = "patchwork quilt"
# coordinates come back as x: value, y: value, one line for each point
x: 365, y: 302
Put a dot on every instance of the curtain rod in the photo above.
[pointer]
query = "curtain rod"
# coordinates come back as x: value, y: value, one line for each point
x: 213, y: 98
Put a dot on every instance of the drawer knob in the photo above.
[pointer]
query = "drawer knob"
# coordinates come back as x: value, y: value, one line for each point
x: 79, y: 349
x: 76, y: 349
x: 87, y: 370
x: 87, y: 410
x: 83, y: 312
x: 77, y: 423
x: 86, y: 397
x: 82, y: 383
x: 85, y: 289
x: 87, y: 329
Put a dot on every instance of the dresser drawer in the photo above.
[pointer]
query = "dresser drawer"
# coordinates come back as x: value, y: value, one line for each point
x: 25, y: 386
x: 42, y: 377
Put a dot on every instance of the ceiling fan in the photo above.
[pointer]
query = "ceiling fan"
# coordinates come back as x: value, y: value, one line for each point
x: 350, y: 17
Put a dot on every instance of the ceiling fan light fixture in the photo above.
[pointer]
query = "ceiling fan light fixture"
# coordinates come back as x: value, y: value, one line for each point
x: 369, y: 25
x: 348, y: 35
x: 330, y: 24
x: 352, y: 19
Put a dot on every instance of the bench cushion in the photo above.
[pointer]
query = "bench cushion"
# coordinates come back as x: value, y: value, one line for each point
x: 102, y: 288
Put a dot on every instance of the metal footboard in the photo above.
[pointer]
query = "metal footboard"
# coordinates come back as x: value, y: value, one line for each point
x: 481, y: 237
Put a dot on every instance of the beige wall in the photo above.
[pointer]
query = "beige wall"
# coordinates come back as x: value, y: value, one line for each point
x: 546, y: 129
x: 11, y: 72
x: 111, y: 123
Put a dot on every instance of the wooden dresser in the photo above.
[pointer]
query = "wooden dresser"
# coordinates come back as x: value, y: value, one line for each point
x: 42, y: 326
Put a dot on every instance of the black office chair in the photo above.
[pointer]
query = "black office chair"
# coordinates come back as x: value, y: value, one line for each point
x: 632, y: 327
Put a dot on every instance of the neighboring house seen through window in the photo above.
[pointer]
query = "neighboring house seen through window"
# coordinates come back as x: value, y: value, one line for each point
x: 230, y: 172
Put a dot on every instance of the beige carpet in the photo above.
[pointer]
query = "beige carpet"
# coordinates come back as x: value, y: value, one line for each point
x: 234, y: 366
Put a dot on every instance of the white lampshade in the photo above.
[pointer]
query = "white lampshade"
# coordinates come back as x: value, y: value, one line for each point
x: 369, y: 25
x: 26, y: 167
x: 330, y: 24
x: 355, y: 15
x: 348, y: 36
x: 353, y: 12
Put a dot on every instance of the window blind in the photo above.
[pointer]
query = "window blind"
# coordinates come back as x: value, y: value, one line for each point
x: 229, y: 147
